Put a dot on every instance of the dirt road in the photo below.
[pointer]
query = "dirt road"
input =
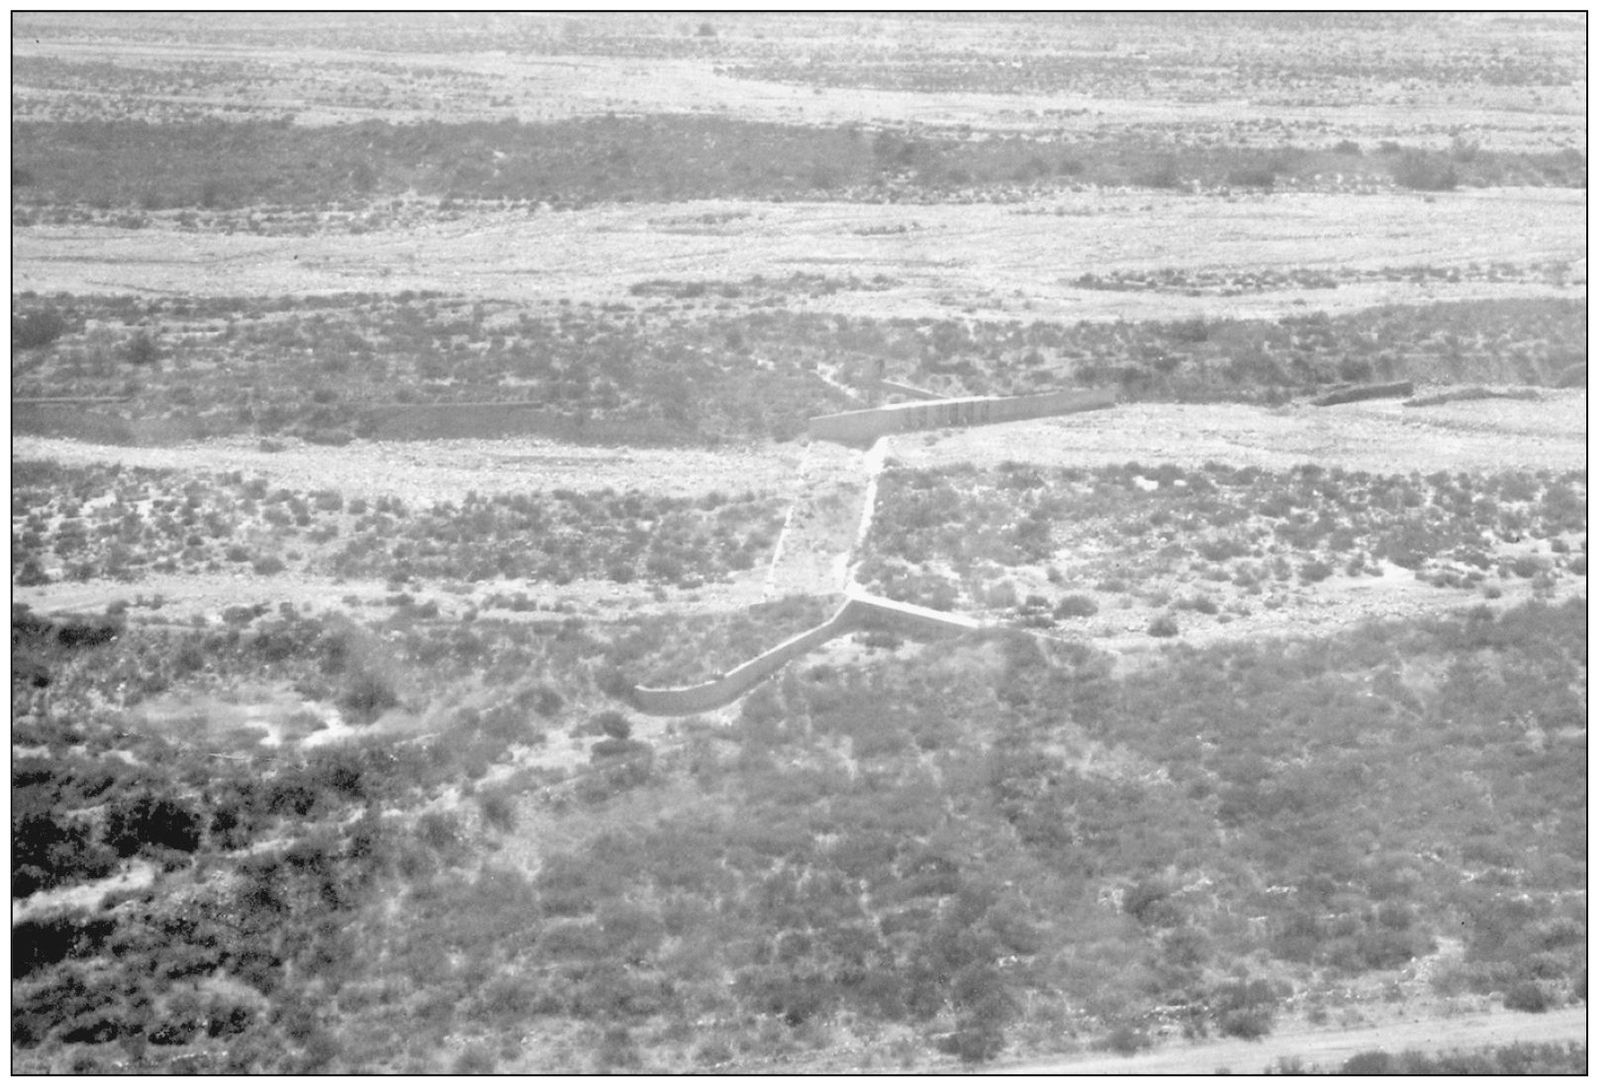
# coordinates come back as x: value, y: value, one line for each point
x: 1328, y: 1049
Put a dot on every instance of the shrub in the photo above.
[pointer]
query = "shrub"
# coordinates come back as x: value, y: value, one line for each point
x: 368, y: 694
x: 1315, y: 570
x: 1148, y: 902
x: 614, y: 725
x: 268, y: 565
x: 1527, y: 566
x: 36, y: 329
x: 1247, y: 1024
x: 498, y: 810
x: 1164, y: 174
x: 1367, y: 1063
x: 1261, y: 175
x: 1245, y: 1009
x: 1421, y: 170
x: 548, y: 702
x: 977, y: 1041
x: 1217, y: 550
x: 617, y: 1051
x: 438, y: 829
x: 142, y: 350
x: 1076, y: 605
x: 152, y: 820
x: 1164, y: 626
x: 1124, y: 1038
x: 1527, y: 997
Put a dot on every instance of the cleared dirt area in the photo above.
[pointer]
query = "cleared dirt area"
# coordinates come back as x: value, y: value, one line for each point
x: 422, y: 474
x: 1374, y: 436
x: 1326, y: 1049
x: 1335, y: 606
x: 984, y: 259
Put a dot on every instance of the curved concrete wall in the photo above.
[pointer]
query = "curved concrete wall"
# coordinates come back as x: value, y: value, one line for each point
x: 731, y: 686
x: 870, y: 611
x: 863, y: 425
x: 857, y: 612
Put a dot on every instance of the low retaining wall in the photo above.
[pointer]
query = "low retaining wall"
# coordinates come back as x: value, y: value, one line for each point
x: 731, y: 686
x: 870, y: 611
x: 1365, y: 391
x: 855, y: 613
x: 864, y: 425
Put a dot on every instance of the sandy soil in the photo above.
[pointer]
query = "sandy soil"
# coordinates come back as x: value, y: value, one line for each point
x: 137, y: 875
x: 186, y: 596
x: 812, y: 552
x: 977, y: 258
x: 1331, y: 607
x: 424, y: 473
x: 1327, y: 1049
x: 1378, y: 436
x: 314, y: 85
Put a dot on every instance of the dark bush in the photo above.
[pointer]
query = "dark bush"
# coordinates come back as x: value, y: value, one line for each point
x: 368, y: 694
x: 1528, y: 997
x: 1125, y: 1038
x: 438, y: 829
x: 606, y: 749
x: 142, y: 350
x: 1247, y: 1024
x: 1076, y: 605
x: 38, y: 943
x: 1421, y: 170
x: 1367, y: 1063
x: 155, y: 821
x: 1315, y: 570
x: 36, y: 329
x: 1164, y: 626
x: 1245, y: 1009
x: 975, y: 1042
x: 1147, y: 901
x: 613, y: 724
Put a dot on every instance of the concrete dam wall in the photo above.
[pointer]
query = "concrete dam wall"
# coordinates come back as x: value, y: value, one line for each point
x: 865, y: 425
x: 857, y: 612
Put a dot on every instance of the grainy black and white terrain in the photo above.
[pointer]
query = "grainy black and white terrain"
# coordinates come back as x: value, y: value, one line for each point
x: 394, y: 397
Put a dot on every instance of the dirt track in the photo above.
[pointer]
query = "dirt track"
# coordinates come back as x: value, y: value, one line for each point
x: 1328, y: 1049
